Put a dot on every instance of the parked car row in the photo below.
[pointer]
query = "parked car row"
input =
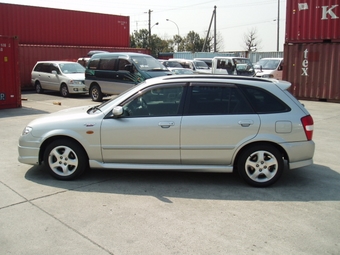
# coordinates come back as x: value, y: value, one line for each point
x: 107, y: 73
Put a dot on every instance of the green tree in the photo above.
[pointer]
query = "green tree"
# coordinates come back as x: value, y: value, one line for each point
x: 192, y: 42
x: 140, y: 39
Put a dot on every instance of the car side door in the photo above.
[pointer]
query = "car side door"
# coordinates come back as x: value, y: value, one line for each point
x: 217, y: 119
x: 148, y: 131
x: 53, y: 77
x: 126, y: 75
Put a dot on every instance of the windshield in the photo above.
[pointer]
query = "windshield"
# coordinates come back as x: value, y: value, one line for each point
x: 72, y: 68
x: 269, y: 64
x: 201, y: 65
x: 244, y: 66
x: 148, y: 63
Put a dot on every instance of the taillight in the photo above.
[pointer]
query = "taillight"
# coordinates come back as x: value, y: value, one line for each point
x: 308, y: 126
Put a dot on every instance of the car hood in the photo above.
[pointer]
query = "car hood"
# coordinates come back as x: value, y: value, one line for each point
x: 259, y: 73
x: 63, y: 118
x: 156, y: 73
x: 75, y: 76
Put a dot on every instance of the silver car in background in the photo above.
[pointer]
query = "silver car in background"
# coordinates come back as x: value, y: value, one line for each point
x: 212, y: 123
x: 64, y: 76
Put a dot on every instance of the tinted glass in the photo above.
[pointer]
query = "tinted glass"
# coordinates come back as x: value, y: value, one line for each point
x: 106, y: 64
x: 162, y: 101
x: 263, y: 101
x: 216, y: 100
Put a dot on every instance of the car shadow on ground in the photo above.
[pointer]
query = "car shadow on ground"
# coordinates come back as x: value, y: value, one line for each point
x: 22, y: 111
x: 313, y: 183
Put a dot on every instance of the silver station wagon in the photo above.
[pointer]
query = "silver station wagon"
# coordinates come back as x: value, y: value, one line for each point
x: 210, y: 123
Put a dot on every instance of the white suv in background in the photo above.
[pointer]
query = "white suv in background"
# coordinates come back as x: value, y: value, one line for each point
x: 66, y: 77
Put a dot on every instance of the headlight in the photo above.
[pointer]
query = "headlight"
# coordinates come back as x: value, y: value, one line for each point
x: 76, y: 82
x: 268, y: 76
x: 26, y: 130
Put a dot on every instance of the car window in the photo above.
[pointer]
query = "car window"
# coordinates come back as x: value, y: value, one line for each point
x: 263, y: 101
x: 216, y: 100
x: 54, y: 67
x: 159, y: 101
x: 105, y: 64
x: 122, y: 64
x: 93, y: 64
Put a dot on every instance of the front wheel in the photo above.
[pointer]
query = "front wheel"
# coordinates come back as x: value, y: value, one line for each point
x: 64, y: 90
x: 38, y: 88
x: 96, y: 93
x: 260, y: 165
x: 65, y: 159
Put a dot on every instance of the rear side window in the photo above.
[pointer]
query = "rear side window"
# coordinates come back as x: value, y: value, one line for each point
x: 42, y: 67
x: 217, y: 100
x: 107, y: 64
x: 263, y: 101
x: 93, y: 64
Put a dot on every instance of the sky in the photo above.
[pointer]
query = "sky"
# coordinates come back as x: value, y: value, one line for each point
x: 234, y: 19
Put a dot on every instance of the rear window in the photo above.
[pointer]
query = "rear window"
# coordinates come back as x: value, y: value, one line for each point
x: 263, y: 101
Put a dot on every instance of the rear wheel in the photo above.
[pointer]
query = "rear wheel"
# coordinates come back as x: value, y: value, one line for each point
x: 38, y: 88
x: 260, y: 165
x: 64, y: 90
x: 96, y: 93
x: 65, y: 159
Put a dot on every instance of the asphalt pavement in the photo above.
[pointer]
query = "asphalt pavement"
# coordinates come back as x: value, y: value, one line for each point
x: 141, y: 212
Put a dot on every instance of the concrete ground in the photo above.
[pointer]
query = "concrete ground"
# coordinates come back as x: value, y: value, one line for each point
x: 131, y: 212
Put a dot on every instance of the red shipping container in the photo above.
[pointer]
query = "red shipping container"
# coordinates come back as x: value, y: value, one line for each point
x: 10, y: 93
x: 313, y: 70
x: 312, y: 21
x: 30, y: 54
x: 37, y: 25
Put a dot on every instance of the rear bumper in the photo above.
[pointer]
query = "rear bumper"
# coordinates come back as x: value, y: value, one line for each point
x: 300, y: 154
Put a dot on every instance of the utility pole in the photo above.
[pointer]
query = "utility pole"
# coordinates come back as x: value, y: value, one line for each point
x: 150, y: 29
x: 206, y: 39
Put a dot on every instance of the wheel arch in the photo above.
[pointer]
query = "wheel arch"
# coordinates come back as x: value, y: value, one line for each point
x: 277, y: 146
x: 94, y: 83
x: 54, y: 138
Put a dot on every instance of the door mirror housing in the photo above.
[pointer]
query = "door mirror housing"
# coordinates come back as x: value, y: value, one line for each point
x: 117, y: 111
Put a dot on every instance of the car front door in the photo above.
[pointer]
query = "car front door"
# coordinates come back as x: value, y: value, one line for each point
x: 53, y: 77
x: 216, y: 121
x: 149, y: 130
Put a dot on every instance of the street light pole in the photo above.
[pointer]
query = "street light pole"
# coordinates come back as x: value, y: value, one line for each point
x: 278, y: 25
x: 177, y: 31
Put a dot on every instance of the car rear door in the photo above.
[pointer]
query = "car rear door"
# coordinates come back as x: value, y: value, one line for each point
x: 217, y: 119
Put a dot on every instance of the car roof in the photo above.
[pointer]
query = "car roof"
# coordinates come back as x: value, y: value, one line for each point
x: 56, y: 62
x: 272, y: 58
x: 124, y: 54
x: 255, y: 81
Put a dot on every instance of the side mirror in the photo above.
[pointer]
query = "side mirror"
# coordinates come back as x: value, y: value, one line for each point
x: 129, y: 68
x: 117, y: 111
x: 54, y: 72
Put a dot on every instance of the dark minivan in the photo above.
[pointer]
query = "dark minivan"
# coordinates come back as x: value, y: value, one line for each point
x: 113, y: 73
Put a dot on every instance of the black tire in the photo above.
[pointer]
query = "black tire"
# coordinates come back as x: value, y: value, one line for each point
x: 38, y: 88
x: 96, y: 93
x: 260, y: 165
x: 65, y: 159
x: 64, y: 90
